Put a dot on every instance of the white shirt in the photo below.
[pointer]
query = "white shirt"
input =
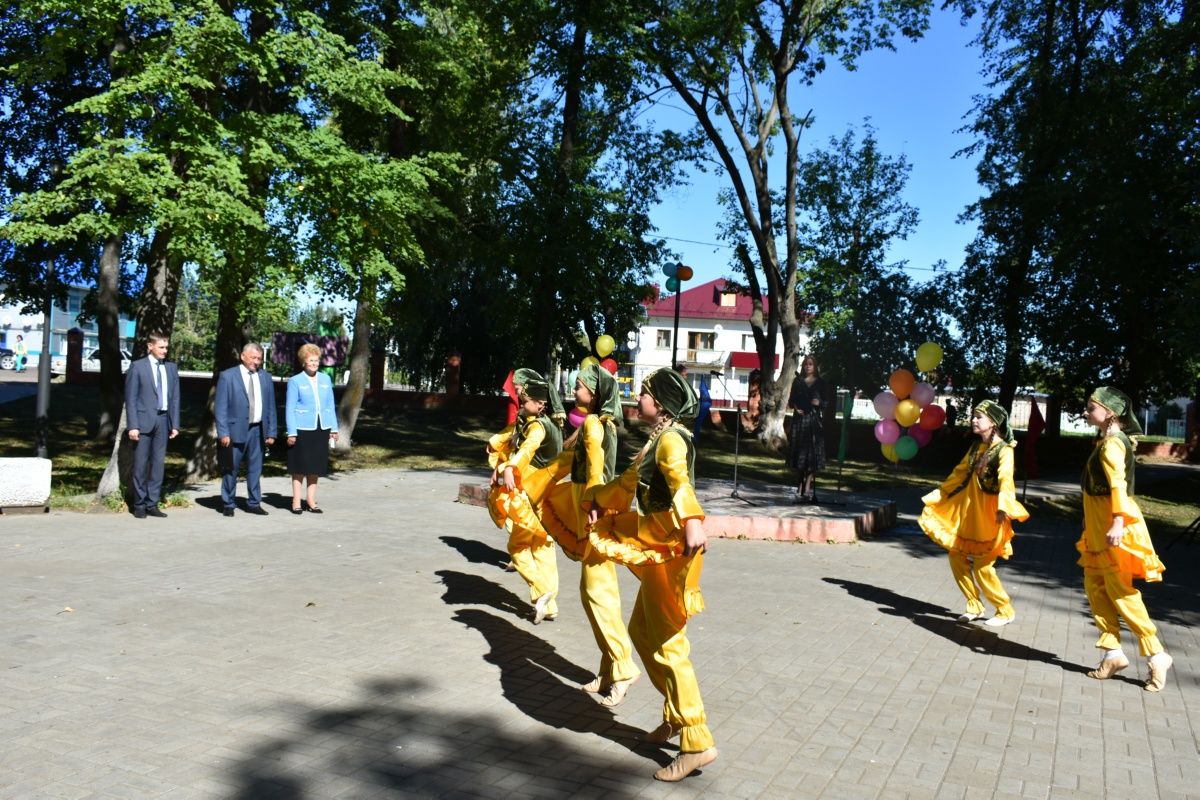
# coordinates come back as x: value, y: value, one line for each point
x: 159, y: 369
x: 313, y: 379
x: 254, y: 386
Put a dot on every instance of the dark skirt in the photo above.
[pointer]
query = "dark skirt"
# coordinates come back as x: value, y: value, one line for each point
x: 806, y: 450
x: 310, y: 454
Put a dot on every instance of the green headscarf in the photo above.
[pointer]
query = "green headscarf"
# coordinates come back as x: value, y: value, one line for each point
x: 1119, y: 403
x: 999, y: 417
x: 603, y: 387
x: 539, y: 388
x: 673, y: 394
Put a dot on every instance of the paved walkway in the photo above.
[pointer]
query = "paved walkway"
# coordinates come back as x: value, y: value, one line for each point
x: 380, y: 651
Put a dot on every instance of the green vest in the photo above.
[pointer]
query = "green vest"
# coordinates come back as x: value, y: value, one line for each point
x: 551, y: 445
x: 653, y: 493
x: 579, y: 469
x: 1095, y: 482
x: 989, y: 481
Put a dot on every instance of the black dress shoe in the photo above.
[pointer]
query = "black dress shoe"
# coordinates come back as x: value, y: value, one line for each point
x: 228, y: 511
x: 315, y: 510
x: 139, y: 513
x: 259, y: 510
x: 297, y: 510
x: 155, y: 511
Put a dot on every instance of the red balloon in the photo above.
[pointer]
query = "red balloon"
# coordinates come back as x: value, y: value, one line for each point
x: 933, y: 417
x: 920, y: 435
x: 610, y: 365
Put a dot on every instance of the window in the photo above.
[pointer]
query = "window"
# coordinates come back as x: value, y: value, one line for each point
x: 664, y: 339
x: 728, y: 300
x: 699, y: 340
x: 748, y: 342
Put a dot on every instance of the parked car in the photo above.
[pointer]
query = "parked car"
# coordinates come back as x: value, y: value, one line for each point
x: 8, y: 359
x: 91, y: 362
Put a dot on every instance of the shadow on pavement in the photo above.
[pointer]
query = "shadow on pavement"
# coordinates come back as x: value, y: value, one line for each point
x: 386, y: 745
x: 465, y: 589
x: 476, y: 552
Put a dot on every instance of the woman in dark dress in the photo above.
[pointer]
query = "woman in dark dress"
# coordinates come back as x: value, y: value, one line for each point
x: 806, y: 453
x: 311, y: 427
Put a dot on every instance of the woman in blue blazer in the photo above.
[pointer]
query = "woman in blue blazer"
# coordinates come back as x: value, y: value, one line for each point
x: 312, y: 426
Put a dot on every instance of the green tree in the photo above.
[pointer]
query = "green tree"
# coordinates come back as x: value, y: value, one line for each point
x: 734, y: 65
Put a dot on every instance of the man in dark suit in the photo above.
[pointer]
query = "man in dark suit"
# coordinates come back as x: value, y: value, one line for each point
x: 245, y: 411
x: 152, y: 417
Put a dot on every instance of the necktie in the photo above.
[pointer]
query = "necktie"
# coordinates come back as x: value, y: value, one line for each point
x: 250, y: 392
x: 162, y: 386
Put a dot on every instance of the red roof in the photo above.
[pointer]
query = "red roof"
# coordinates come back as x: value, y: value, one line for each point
x: 703, y: 301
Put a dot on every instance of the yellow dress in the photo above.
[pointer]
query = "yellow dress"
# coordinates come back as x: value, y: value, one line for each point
x: 1109, y: 572
x: 960, y: 515
x: 963, y: 519
x: 564, y: 513
x: 531, y: 549
x: 652, y: 546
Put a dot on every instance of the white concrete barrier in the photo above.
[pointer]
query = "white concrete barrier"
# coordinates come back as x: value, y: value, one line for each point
x: 24, y: 484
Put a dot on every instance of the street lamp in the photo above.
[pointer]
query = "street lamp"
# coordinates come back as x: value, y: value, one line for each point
x: 676, y: 275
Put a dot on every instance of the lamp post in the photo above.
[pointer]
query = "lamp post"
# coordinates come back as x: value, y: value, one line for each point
x: 41, y: 424
x: 676, y: 275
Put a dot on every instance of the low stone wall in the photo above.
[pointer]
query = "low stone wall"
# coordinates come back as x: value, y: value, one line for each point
x: 24, y: 485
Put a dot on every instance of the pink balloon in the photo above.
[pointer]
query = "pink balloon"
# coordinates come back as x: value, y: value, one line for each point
x: 932, y: 417
x: 920, y: 435
x: 922, y: 394
x: 887, y: 431
x: 576, y: 417
x: 885, y: 405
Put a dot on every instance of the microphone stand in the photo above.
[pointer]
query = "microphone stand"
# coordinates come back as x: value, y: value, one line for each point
x: 737, y: 433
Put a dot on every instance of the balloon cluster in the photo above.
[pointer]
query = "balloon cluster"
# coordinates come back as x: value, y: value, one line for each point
x: 908, y: 415
x: 604, y: 346
x: 677, y: 274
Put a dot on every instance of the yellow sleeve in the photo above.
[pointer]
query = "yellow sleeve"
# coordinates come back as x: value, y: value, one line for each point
x: 499, y: 446
x: 617, y: 494
x: 1112, y: 458
x: 1008, y: 487
x: 672, y: 461
x: 957, y: 476
x: 535, y: 434
x: 593, y: 444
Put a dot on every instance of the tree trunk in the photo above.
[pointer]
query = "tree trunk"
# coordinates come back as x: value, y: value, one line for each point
x: 360, y: 366
x: 108, y: 303
x: 233, y: 332
x: 119, y: 471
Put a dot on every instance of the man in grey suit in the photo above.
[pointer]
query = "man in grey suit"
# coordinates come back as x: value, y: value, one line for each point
x: 152, y: 417
x: 245, y: 412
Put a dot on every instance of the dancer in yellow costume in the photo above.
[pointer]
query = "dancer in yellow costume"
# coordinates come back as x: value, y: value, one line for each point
x: 564, y: 513
x: 971, y: 514
x: 531, y: 443
x: 663, y: 542
x: 1115, y: 546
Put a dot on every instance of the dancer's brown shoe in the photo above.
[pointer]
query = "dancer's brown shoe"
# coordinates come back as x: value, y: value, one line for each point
x: 661, y: 735
x: 685, y: 764
x: 616, y: 692
x: 1109, y: 667
x: 1158, y: 673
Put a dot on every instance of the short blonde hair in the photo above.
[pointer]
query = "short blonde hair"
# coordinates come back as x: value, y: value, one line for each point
x: 307, y: 349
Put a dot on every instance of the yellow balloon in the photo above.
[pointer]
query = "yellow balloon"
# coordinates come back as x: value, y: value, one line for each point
x: 907, y: 412
x: 929, y: 355
x: 588, y: 361
x: 889, y: 452
x: 604, y: 345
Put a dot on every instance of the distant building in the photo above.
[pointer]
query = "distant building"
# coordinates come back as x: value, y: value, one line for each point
x: 714, y: 334
x: 13, y: 322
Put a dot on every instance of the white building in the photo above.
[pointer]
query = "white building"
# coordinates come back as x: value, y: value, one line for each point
x: 29, y: 326
x: 714, y: 334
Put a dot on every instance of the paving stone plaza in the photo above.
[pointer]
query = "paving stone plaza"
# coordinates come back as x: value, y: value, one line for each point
x: 381, y: 651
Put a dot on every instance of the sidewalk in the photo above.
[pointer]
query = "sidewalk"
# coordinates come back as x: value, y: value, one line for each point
x: 380, y: 651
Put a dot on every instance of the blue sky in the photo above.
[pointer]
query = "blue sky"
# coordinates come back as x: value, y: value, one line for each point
x: 916, y: 98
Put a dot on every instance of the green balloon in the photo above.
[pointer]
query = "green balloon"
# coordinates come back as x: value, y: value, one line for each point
x: 672, y: 284
x: 906, y: 447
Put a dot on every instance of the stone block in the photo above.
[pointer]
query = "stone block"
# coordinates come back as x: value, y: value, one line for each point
x: 24, y: 485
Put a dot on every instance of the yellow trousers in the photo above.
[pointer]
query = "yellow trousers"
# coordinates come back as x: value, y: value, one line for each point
x: 973, y: 573
x: 1111, y: 595
x: 659, y: 630
x: 601, y: 596
x: 533, y: 556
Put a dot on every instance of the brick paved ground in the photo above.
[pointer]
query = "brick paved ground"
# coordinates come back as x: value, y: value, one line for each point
x: 380, y: 651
